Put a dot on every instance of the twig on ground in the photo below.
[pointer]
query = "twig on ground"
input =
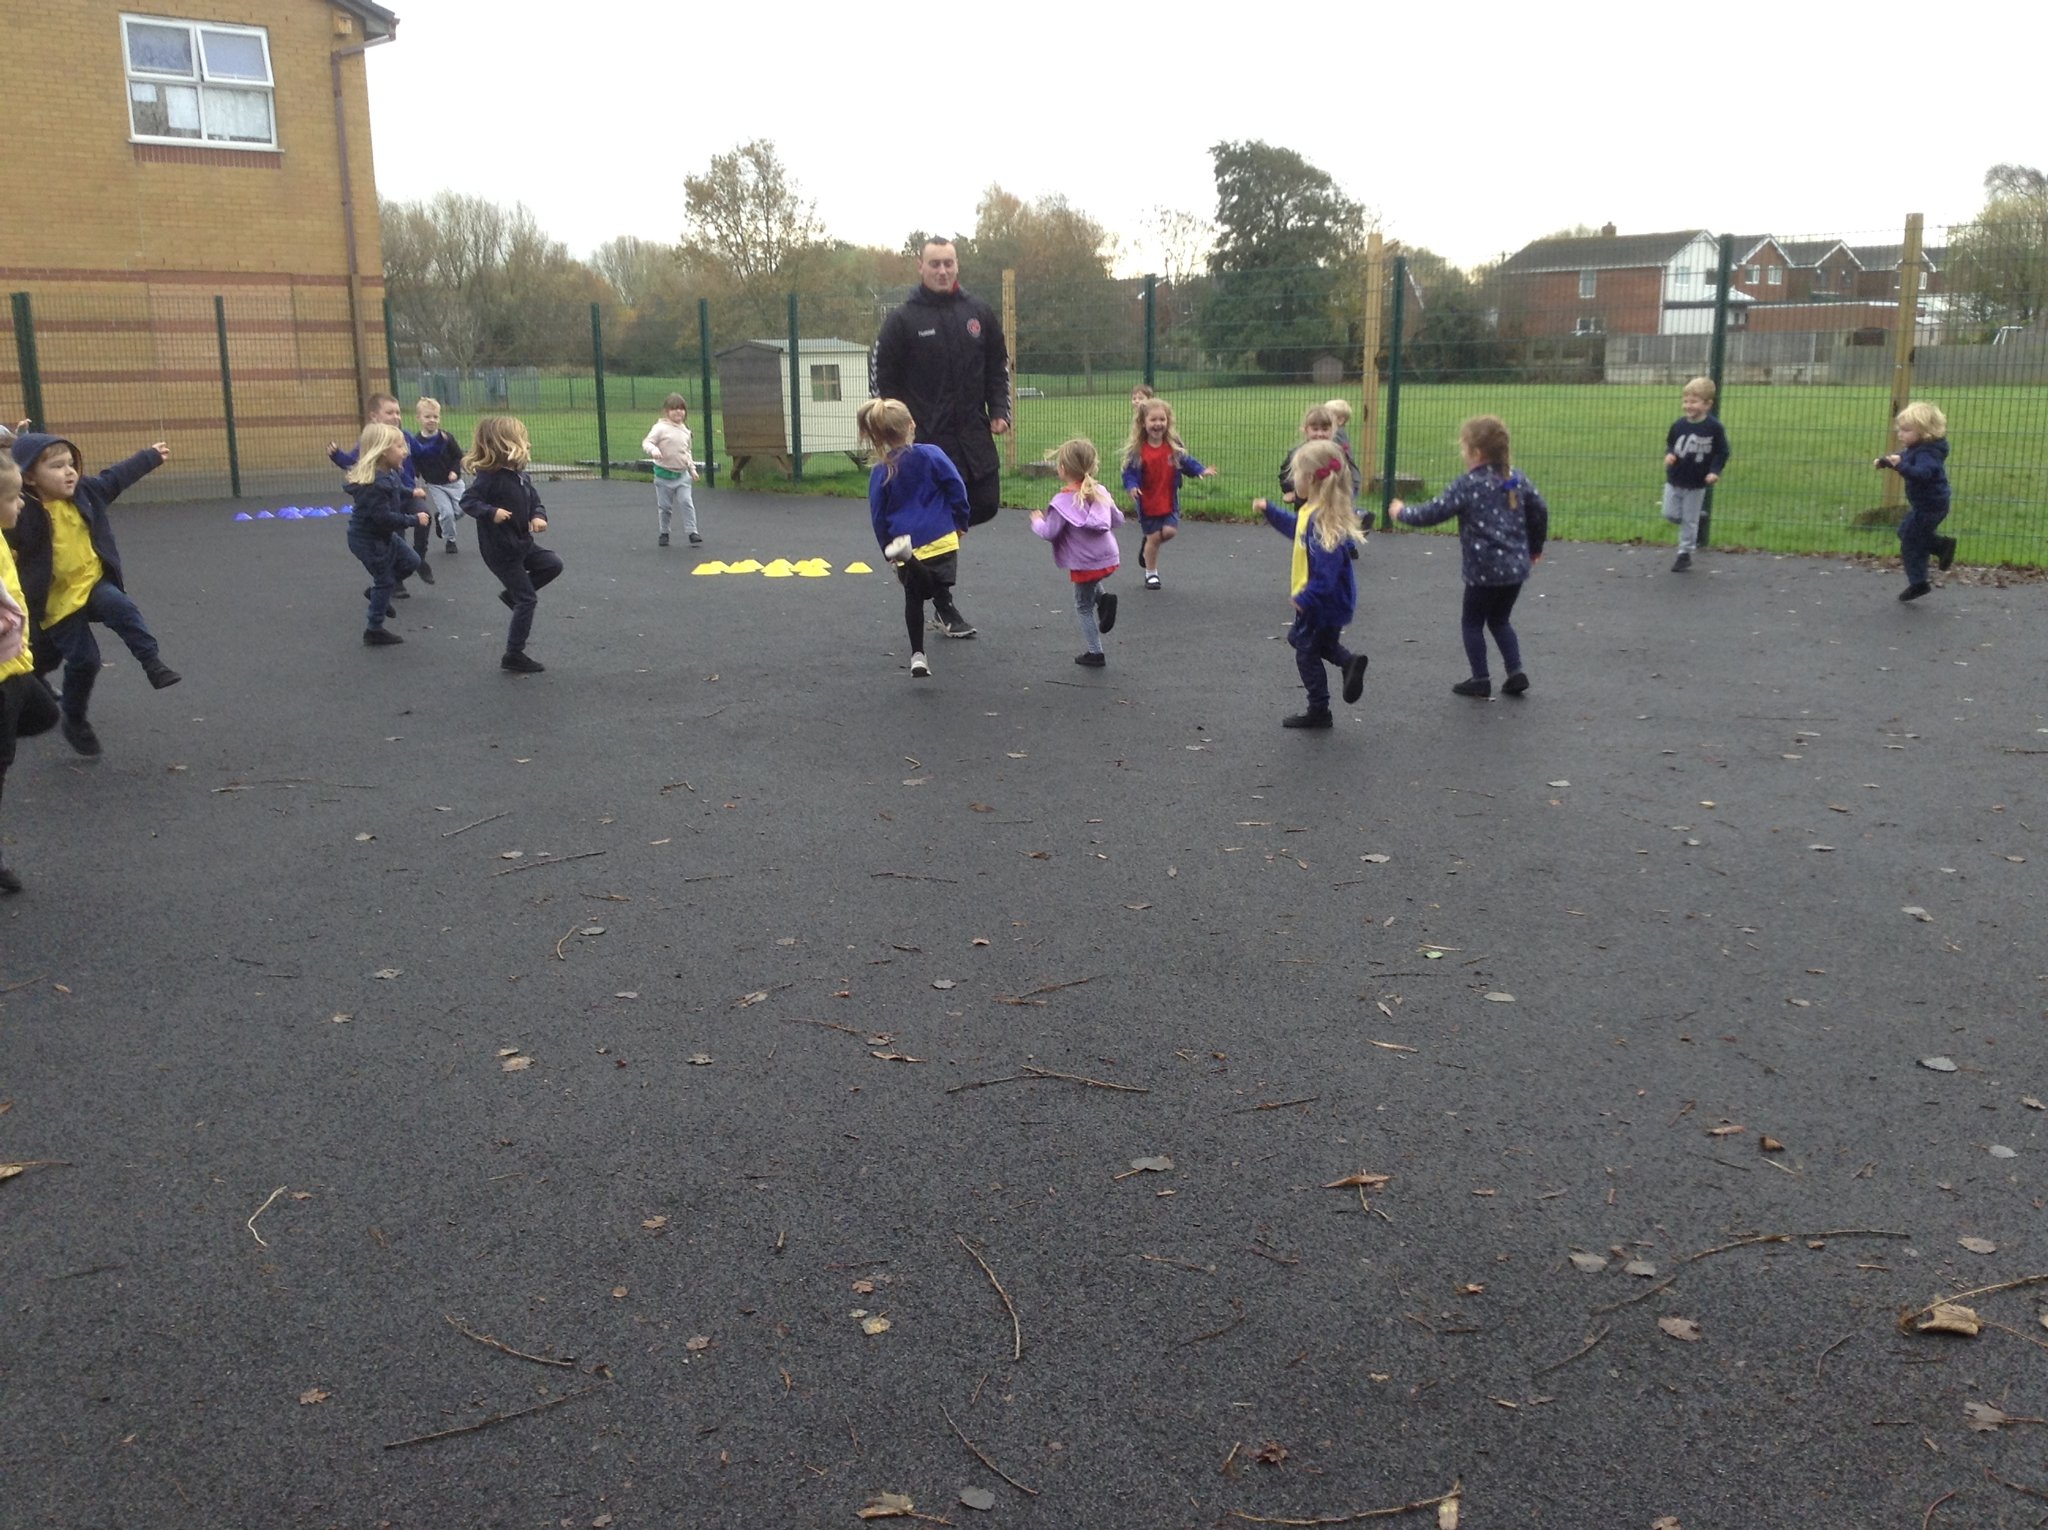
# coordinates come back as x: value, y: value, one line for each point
x: 1908, y: 1319
x: 713, y: 876
x: 496, y: 1418
x: 25, y: 983
x: 1202, y: 1338
x: 686, y: 786
x: 2017, y: 1487
x: 251, y: 1223
x: 1823, y: 1360
x: 518, y: 1354
x: 1456, y: 1492
x: 1928, y: 1518
x: 1584, y: 1349
x: 1016, y: 1328
x: 907, y: 876
x: 1030, y: 995
x: 1630, y: 1301
x: 451, y: 833
x: 1307, y: 1099
x: 1046, y: 1073
x: 553, y: 860
x: 982, y: 1456
x: 1787, y: 1237
x: 565, y: 940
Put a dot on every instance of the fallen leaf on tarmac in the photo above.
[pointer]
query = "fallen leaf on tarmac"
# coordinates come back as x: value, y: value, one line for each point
x: 1983, y: 1417
x: 1950, y: 1317
x: 339, y: 1019
x: 1376, y: 858
x: 1470, y: 1288
x: 864, y: 1288
x: 591, y: 929
x: 979, y: 940
x: 1769, y: 1145
x: 1729, y: 1130
x: 1137, y: 908
x: 386, y: 974
x: 511, y: 855
x: 364, y: 839
x: 1447, y: 1515
x: 1666, y: 1522
x: 1999, y: 1150
x: 618, y: 1293
x: 2031, y: 1103
x: 1978, y: 1245
x: 978, y: 1498
x: 516, y: 1064
x: 1559, y: 783
x: 1939, y: 1064
x: 697, y: 1343
x: 749, y: 998
x: 1920, y: 914
x: 700, y: 1060
x: 874, y: 1325
x: 602, y: 1522
x: 1272, y: 1453
x: 311, y: 1396
x: 942, y: 983
x: 1641, y: 1267
x: 1362, y: 1177
x: 629, y: 993
x: 887, y: 1506
x: 902, y: 1057
x: 508, y: 1051
x: 1038, y: 855
x: 981, y: 807
x: 655, y: 1224
x: 1151, y: 1165
x: 1592, y: 1264
x: 1501, y: 998
x: 1680, y: 1328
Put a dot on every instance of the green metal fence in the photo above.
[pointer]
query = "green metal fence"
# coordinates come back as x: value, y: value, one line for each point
x: 1581, y: 345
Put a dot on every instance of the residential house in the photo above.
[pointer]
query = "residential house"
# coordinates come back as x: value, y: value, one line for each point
x: 1609, y: 283
x: 219, y: 150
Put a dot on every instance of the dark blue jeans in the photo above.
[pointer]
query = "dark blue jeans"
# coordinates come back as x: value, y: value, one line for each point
x: 388, y: 560
x: 1916, y: 540
x: 1314, y: 646
x: 523, y: 581
x: 1487, y: 608
x: 110, y: 607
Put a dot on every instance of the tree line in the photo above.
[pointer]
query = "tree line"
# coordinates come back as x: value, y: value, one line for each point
x: 1270, y: 284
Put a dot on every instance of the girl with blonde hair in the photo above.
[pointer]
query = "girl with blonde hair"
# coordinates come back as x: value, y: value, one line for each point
x: 1155, y: 461
x: 1078, y: 523
x: 378, y: 522
x: 918, y: 503
x: 1326, y: 534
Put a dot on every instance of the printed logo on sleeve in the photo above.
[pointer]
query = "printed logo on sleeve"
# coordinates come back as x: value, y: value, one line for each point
x: 974, y: 328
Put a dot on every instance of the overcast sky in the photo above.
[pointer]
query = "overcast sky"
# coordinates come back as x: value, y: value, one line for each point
x: 1470, y: 129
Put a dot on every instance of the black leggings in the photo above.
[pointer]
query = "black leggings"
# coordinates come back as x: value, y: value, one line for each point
x: 925, y: 579
x: 1487, y: 608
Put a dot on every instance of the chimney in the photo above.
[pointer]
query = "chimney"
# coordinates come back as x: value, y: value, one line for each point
x: 1607, y: 231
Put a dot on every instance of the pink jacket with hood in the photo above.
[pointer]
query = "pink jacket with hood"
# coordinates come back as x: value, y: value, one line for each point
x: 1080, y: 531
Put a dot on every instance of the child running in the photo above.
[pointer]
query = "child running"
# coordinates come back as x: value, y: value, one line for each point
x: 437, y: 464
x: 1922, y: 461
x: 1326, y: 535
x: 1502, y: 525
x: 1695, y: 452
x: 1318, y: 424
x: 26, y: 705
x: 508, y: 512
x: 1155, y: 461
x: 1078, y: 523
x: 376, y: 527
x: 383, y: 409
x: 918, y: 502
x: 70, y: 570
x: 668, y: 444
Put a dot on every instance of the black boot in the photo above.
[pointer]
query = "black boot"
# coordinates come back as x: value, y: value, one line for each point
x: 77, y: 731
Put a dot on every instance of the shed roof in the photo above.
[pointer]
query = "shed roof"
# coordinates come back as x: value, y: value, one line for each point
x: 1599, y: 252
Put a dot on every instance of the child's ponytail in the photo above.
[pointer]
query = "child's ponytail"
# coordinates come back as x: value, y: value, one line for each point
x: 1076, y: 462
x: 885, y: 424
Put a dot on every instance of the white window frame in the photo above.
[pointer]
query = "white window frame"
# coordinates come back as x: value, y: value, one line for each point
x: 825, y: 382
x: 1774, y: 276
x: 1753, y: 275
x: 1589, y: 282
x: 1589, y: 324
x: 200, y: 82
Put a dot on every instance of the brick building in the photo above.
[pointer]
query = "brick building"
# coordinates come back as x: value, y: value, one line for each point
x: 1607, y: 284
x: 217, y: 149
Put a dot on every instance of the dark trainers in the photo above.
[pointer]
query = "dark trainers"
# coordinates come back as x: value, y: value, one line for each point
x: 662, y: 540
x: 79, y: 735
x: 161, y: 676
x: 1945, y: 553
x: 9, y: 882
x: 1681, y: 563
x: 1310, y: 719
x: 401, y: 593
x: 695, y: 540
x: 1915, y: 591
x: 425, y: 571
x: 1515, y: 684
x: 1477, y: 686
x: 1354, y: 677
x: 519, y: 664
x: 451, y: 546
x: 377, y: 637
x: 954, y: 625
x: 1090, y: 660
x: 1105, y: 611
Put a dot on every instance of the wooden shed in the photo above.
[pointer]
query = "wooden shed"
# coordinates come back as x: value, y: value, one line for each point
x: 753, y: 385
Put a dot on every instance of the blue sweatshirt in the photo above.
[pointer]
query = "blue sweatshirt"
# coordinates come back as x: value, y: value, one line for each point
x: 925, y: 500
x: 1325, y: 584
x: 381, y: 506
x: 1924, y: 466
x: 1502, y: 524
x: 436, y: 458
x: 1701, y: 447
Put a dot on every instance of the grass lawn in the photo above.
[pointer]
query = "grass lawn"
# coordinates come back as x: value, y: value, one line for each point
x: 1800, y: 479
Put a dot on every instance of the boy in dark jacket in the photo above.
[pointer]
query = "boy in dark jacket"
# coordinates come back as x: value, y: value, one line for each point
x: 71, y: 570
x: 437, y: 464
x: 508, y: 512
x: 1922, y: 462
x: 1695, y: 452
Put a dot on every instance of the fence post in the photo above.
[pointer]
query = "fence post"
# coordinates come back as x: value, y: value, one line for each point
x: 391, y: 352
x: 1394, y: 391
x: 1903, y: 332
x: 25, y: 357
x: 1151, y: 331
x: 1369, y: 373
x: 604, y: 437
x: 1717, y: 365
x: 796, y: 399
x: 227, y: 395
x: 1010, y: 360
x: 710, y: 416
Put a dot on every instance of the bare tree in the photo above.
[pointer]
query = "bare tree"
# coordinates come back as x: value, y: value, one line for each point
x: 638, y: 269
x: 745, y: 219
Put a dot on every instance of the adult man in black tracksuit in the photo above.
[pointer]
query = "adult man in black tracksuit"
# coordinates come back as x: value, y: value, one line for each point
x: 942, y: 353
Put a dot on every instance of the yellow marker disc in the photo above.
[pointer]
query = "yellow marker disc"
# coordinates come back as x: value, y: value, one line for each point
x: 709, y: 568
x: 744, y: 566
x: 779, y: 569
x: 812, y: 568
x: 858, y: 568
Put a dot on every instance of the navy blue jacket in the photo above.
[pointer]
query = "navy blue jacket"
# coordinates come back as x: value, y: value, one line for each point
x: 344, y: 457
x: 495, y: 489
x: 924, y: 499
x: 1502, y: 523
x: 1924, y: 467
x: 1701, y: 447
x: 381, y: 506
x: 436, y: 458
x: 942, y: 354
x: 1329, y: 595
x: 30, y: 537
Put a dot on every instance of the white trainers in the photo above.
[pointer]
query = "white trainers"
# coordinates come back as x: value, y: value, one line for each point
x: 898, y: 550
x: 919, y: 670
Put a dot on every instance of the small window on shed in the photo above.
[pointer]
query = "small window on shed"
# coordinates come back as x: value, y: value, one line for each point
x: 825, y: 384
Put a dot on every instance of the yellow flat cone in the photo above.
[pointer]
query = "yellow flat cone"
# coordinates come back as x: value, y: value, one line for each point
x: 779, y: 569
x: 858, y: 568
x: 711, y: 568
x: 744, y: 566
x: 812, y: 568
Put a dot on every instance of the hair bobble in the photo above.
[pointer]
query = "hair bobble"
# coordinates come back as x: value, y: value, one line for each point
x: 1327, y: 469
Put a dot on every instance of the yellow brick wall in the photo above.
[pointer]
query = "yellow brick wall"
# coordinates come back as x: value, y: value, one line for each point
x: 121, y: 254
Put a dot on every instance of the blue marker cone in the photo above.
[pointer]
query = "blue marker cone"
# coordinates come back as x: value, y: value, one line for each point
x: 265, y: 515
x: 243, y: 515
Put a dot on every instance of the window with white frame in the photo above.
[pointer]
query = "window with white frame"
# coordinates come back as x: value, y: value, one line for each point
x: 825, y: 384
x: 1590, y: 325
x: 1752, y: 274
x: 199, y: 82
x: 1775, y: 276
x: 1588, y: 281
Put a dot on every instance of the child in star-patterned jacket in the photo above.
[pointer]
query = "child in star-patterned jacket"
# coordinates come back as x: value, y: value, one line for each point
x: 1502, y: 525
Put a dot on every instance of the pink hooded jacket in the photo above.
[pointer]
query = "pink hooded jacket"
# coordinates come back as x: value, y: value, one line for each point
x: 1080, y: 532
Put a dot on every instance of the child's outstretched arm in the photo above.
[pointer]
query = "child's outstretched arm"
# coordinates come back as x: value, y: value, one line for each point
x: 130, y: 471
x: 1280, y: 517
x: 1446, y: 505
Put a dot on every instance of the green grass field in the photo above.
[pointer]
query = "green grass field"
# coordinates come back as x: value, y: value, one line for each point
x: 1800, y: 479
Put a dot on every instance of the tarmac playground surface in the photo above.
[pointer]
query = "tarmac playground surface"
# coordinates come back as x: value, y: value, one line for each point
x: 828, y: 1069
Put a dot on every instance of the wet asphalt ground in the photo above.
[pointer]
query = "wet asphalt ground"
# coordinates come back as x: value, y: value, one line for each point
x: 683, y: 1013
